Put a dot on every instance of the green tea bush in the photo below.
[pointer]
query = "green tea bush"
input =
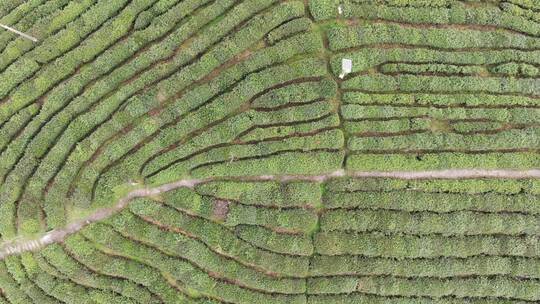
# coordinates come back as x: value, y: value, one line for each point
x: 272, y: 194
x: 129, y: 95
x: 205, y: 268
x: 65, y: 143
x: 243, y: 93
x: 446, y: 160
x: 526, y: 290
x: 329, y: 121
x: 353, y: 298
x: 435, y: 68
x: 447, y: 99
x: 299, y: 244
x: 516, y: 69
x: 408, y: 3
x: 24, y: 277
x: 323, y: 9
x: 117, y: 266
x: 288, y: 29
x: 522, y: 9
x: 450, y: 13
x: 296, y: 94
x: 476, y: 126
x: 436, y: 267
x: 37, y: 147
x: 356, y: 112
x: 483, y: 186
x: 12, y: 290
x: 9, y: 7
x: 45, y: 21
x: 378, y: 244
x: 15, y: 12
x: 387, y: 126
x: 211, y: 60
x: 82, y: 275
x: 425, y: 223
x: 214, y: 236
x: 65, y: 40
x: 449, y: 84
x: 511, y: 139
x: 365, y: 58
x: 417, y: 201
x: 285, y: 220
x: 284, y: 163
x: 341, y: 37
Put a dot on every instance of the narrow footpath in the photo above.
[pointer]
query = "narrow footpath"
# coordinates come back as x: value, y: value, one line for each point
x: 19, y: 246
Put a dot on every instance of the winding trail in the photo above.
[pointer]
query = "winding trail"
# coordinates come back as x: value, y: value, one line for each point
x: 18, y: 246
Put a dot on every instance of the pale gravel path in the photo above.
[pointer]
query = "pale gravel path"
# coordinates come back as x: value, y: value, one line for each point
x: 18, y: 32
x: 58, y: 235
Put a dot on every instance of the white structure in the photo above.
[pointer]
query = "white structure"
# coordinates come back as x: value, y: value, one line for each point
x: 340, y: 9
x: 18, y: 33
x: 346, y: 67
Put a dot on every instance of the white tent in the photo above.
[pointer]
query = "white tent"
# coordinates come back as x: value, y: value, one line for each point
x: 346, y: 67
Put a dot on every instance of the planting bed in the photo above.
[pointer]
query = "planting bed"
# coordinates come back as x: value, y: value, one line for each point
x: 208, y: 151
x: 345, y: 240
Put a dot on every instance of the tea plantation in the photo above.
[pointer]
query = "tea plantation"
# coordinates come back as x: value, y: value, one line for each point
x: 214, y: 151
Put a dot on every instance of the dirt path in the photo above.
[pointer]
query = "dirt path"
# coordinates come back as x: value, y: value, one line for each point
x: 18, y: 246
x: 18, y: 32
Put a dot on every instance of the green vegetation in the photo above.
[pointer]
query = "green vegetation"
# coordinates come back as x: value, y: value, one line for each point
x: 244, y: 98
x: 374, y: 238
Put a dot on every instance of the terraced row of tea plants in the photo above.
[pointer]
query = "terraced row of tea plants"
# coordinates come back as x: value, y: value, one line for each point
x: 157, y: 91
x: 342, y: 241
x: 126, y: 94
x: 451, y: 84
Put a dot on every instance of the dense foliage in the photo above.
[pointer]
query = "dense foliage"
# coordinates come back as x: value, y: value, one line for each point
x: 120, y: 95
x: 343, y: 241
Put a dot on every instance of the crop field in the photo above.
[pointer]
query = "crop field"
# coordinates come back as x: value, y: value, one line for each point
x: 215, y: 151
x: 342, y: 241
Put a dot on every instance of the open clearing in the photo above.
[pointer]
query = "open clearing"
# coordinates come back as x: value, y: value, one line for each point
x: 270, y: 151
